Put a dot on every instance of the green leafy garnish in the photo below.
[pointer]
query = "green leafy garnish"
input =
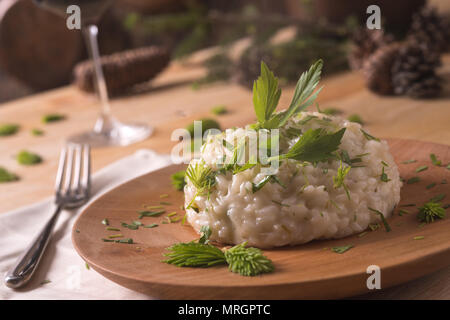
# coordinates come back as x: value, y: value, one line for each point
x: 368, y: 136
x: 338, y: 180
x: 355, y: 118
x: 194, y: 254
x: 409, y: 161
x: 384, y: 176
x: 206, y: 233
x: 112, y: 229
x: 247, y: 261
x: 342, y: 249
x: 153, y: 225
x: 219, y: 110
x: 28, y: 158
x: 263, y: 182
x: 201, y: 176
x: 147, y: 213
x: 438, y: 197
x: 178, y: 181
x: 6, y: 176
x: 266, y: 95
x: 53, y: 117
x: 383, y: 219
x: 419, y: 238
x: 431, y: 211
x: 105, y: 222
x: 314, y: 146
x: 435, y: 160
x: 37, y: 132
x: 421, y: 168
x: 8, y: 129
x: 413, y: 180
x: 431, y: 185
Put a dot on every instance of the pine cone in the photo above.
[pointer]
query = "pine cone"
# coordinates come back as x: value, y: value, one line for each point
x: 413, y: 71
x: 430, y: 28
x: 124, y: 69
x: 377, y: 69
x: 364, y: 43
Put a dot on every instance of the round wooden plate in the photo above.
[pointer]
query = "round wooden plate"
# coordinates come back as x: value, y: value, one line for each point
x: 306, y: 271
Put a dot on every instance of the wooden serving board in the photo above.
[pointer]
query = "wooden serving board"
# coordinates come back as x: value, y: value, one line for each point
x: 301, y: 272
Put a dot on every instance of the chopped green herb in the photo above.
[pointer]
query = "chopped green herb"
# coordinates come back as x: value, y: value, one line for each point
x: 154, y: 207
x: 105, y: 222
x: 150, y: 213
x: 384, y: 176
x: 6, y: 176
x: 130, y: 226
x: 383, y: 219
x: 8, y: 129
x: 448, y: 166
x: 355, y: 118
x: 37, y: 132
x: 421, y: 168
x: 219, y: 110
x: 172, y: 214
x: 28, y: 158
x: 87, y: 266
x: 431, y: 185
x: 153, y: 225
x: 408, y: 205
x: 435, y: 160
x: 438, y: 198
x: 165, y: 203
x: 374, y: 226
x: 53, y: 117
x: 384, y: 163
x: 206, y: 233
x: 165, y: 195
x: 362, y: 234
x: 112, y: 229
x: 263, y: 182
x: 126, y: 240
x: 338, y: 180
x: 178, y: 180
x: 413, y: 180
x: 401, y: 212
x: 368, y: 136
x: 431, y: 211
x: 419, y: 238
x: 409, y: 161
x: 137, y: 223
x: 115, y: 236
x: 280, y: 204
x: 342, y: 249
x: 45, y: 282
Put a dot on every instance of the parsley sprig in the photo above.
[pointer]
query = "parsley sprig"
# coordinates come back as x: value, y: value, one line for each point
x: 430, y: 211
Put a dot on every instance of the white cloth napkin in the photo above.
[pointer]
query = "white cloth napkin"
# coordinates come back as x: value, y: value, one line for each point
x: 62, y: 274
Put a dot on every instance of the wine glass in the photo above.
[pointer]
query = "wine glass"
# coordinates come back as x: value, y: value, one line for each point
x: 108, y: 131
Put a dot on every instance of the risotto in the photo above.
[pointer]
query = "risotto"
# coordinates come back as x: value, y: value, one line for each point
x: 301, y: 200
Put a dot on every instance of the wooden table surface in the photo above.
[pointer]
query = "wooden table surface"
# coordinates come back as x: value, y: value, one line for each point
x: 171, y: 103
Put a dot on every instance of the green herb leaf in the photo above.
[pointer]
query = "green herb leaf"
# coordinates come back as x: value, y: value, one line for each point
x: 419, y: 238
x: 438, y: 198
x: 409, y: 161
x: 206, y: 233
x: 435, y: 160
x: 431, y: 185
x: 413, y: 180
x: 105, y: 222
x: 384, y: 176
x: 355, y: 118
x: 342, y: 249
x: 146, y: 213
x: 421, y: 168
x: 368, y: 136
x: 28, y: 158
x: 266, y: 94
x: 153, y: 225
x: 194, y: 254
x: 6, y: 176
x: 247, y: 261
x: 37, y: 132
x: 201, y: 176
x: 53, y: 117
x: 8, y: 129
x: 338, y: 180
x: 383, y: 219
x: 219, y: 110
x: 431, y: 211
x: 314, y: 146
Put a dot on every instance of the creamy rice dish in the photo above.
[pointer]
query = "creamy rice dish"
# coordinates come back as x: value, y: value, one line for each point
x: 301, y: 200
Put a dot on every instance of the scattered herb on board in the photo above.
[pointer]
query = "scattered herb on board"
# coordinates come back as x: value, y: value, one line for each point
x: 46, y: 281
x: 418, y: 238
x: 355, y: 118
x: 240, y: 259
x: 28, y: 158
x: 431, y: 211
x: 105, y: 222
x: 219, y: 110
x: 413, y: 180
x: 401, y: 212
x: 53, y: 117
x: 37, y: 132
x: 368, y: 136
x: 434, y: 160
x: 8, y: 129
x: 164, y: 203
x: 147, y: 213
x: 125, y: 240
x: 383, y: 219
x: 362, y: 234
x: 374, y: 226
x: 112, y: 229
x: 153, y: 225
x: 115, y: 236
x: 6, y: 176
x: 421, y: 168
x: 448, y: 166
x: 342, y: 249
x: 409, y: 161
x: 438, y: 198
x: 87, y: 266
x: 408, y: 205
x: 131, y: 226
x: 164, y: 195
x: 431, y: 185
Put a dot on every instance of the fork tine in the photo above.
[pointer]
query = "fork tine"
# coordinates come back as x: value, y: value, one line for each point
x: 60, y: 172
x: 69, y: 169
x: 77, y: 172
x: 86, y: 176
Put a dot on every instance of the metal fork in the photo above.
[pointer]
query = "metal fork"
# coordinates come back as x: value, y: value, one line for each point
x: 72, y: 191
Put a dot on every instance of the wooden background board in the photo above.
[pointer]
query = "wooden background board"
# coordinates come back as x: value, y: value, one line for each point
x: 304, y: 271
x: 171, y: 103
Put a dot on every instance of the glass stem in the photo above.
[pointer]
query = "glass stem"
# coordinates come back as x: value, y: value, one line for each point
x: 90, y: 33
